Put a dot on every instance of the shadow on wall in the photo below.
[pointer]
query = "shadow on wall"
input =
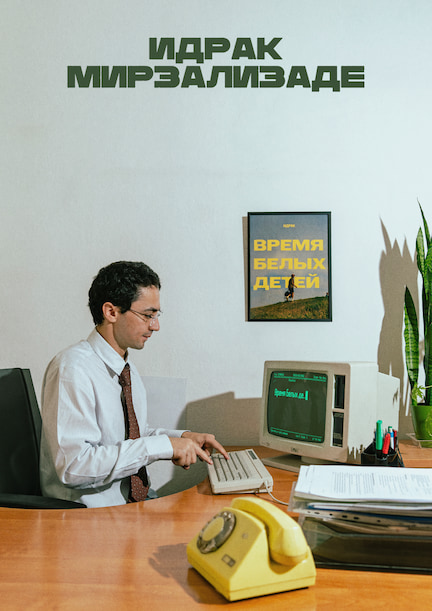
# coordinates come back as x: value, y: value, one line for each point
x: 166, y: 398
x: 232, y: 421
x: 397, y: 269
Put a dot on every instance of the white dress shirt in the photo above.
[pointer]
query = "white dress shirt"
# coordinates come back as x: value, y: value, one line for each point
x: 84, y: 454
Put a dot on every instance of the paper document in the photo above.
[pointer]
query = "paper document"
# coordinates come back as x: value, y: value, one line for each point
x: 384, y: 507
x: 355, y: 483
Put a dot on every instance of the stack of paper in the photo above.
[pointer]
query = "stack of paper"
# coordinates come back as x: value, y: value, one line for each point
x: 370, y: 517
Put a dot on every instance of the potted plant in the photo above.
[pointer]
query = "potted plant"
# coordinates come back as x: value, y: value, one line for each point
x: 421, y: 396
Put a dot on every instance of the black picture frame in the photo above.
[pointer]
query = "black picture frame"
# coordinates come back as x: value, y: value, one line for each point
x: 286, y: 247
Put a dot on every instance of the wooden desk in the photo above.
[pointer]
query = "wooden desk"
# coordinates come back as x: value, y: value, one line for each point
x: 134, y: 556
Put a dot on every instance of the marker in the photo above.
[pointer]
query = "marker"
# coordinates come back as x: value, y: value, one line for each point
x: 386, y: 445
x: 392, y: 437
x: 379, y: 439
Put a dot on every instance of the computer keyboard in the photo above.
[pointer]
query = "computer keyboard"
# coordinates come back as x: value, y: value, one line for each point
x: 243, y: 472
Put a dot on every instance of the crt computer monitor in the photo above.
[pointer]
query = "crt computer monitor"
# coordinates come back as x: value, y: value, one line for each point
x: 324, y: 411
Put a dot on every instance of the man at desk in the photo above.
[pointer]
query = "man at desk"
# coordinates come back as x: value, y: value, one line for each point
x: 96, y: 441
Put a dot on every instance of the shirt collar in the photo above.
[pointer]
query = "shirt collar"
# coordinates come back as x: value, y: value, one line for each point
x: 106, y: 352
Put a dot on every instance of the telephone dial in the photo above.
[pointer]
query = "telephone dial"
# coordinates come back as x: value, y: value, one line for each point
x: 250, y: 549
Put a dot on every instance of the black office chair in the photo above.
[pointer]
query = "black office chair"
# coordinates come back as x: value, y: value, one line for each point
x: 20, y: 433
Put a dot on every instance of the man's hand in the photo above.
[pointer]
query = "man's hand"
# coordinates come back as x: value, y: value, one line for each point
x: 191, y: 446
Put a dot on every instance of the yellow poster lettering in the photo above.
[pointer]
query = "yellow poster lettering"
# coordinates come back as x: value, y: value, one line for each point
x: 261, y: 283
x: 301, y: 245
x: 275, y: 282
x: 272, y: 244
x: 317, y: 244
x: 260, y: 263
x: 319, y: 264
x: 299, y: 264
x: 312, y: 283
x: 286, y: 263
x: 260, y: 245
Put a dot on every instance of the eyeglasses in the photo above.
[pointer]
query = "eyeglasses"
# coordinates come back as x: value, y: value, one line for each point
x: 149, y: 318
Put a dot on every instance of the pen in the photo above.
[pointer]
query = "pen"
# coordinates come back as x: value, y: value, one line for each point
x: 392, y: 437
x: 386, y: 445
x: 379, y: 439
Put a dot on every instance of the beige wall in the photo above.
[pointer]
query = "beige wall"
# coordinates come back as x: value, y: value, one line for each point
x: 167, y: 176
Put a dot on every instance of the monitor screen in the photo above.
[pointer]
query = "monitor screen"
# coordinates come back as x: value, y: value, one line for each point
x: 296, y: 407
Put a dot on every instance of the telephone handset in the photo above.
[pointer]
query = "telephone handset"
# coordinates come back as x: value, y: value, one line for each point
x: 250, y: 549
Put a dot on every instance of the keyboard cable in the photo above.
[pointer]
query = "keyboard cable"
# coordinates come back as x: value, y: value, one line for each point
x: 273, y: 497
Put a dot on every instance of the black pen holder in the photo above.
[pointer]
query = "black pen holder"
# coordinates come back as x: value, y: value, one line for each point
x: 369, y: 458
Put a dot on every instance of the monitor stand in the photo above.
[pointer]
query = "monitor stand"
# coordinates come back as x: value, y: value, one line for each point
x: 292, y: 462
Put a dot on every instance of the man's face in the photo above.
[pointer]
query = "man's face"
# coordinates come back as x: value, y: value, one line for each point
x: 134, y: 328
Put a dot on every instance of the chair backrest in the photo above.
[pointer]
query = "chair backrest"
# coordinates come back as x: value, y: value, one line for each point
x: 20, y: 431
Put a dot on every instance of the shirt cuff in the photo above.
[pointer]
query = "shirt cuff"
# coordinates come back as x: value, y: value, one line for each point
x: 159, y: 447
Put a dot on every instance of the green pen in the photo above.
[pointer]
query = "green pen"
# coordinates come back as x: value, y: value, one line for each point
x: 379, y: 439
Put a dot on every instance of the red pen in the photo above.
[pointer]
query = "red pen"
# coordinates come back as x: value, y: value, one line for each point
x: 386, y: 444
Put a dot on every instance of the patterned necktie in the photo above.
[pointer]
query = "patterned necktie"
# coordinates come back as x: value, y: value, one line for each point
x: 139, y: 482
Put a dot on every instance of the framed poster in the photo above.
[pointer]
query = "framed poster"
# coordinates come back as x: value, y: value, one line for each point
x: 289, y: 266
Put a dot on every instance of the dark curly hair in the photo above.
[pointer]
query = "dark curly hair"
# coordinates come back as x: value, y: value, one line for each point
x: 119, y: 283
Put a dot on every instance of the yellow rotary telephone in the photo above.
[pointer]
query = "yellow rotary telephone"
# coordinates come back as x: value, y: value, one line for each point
x: 250, y: 549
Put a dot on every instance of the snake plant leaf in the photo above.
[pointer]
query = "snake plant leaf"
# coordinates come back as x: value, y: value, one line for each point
x: 420, y: 252
x: 428, y: 365
x: 411, y: 335
x: 426, y: 228
x: 427, y: 290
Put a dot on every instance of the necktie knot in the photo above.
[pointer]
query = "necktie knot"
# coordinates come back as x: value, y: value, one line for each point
x: 124, y: 377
